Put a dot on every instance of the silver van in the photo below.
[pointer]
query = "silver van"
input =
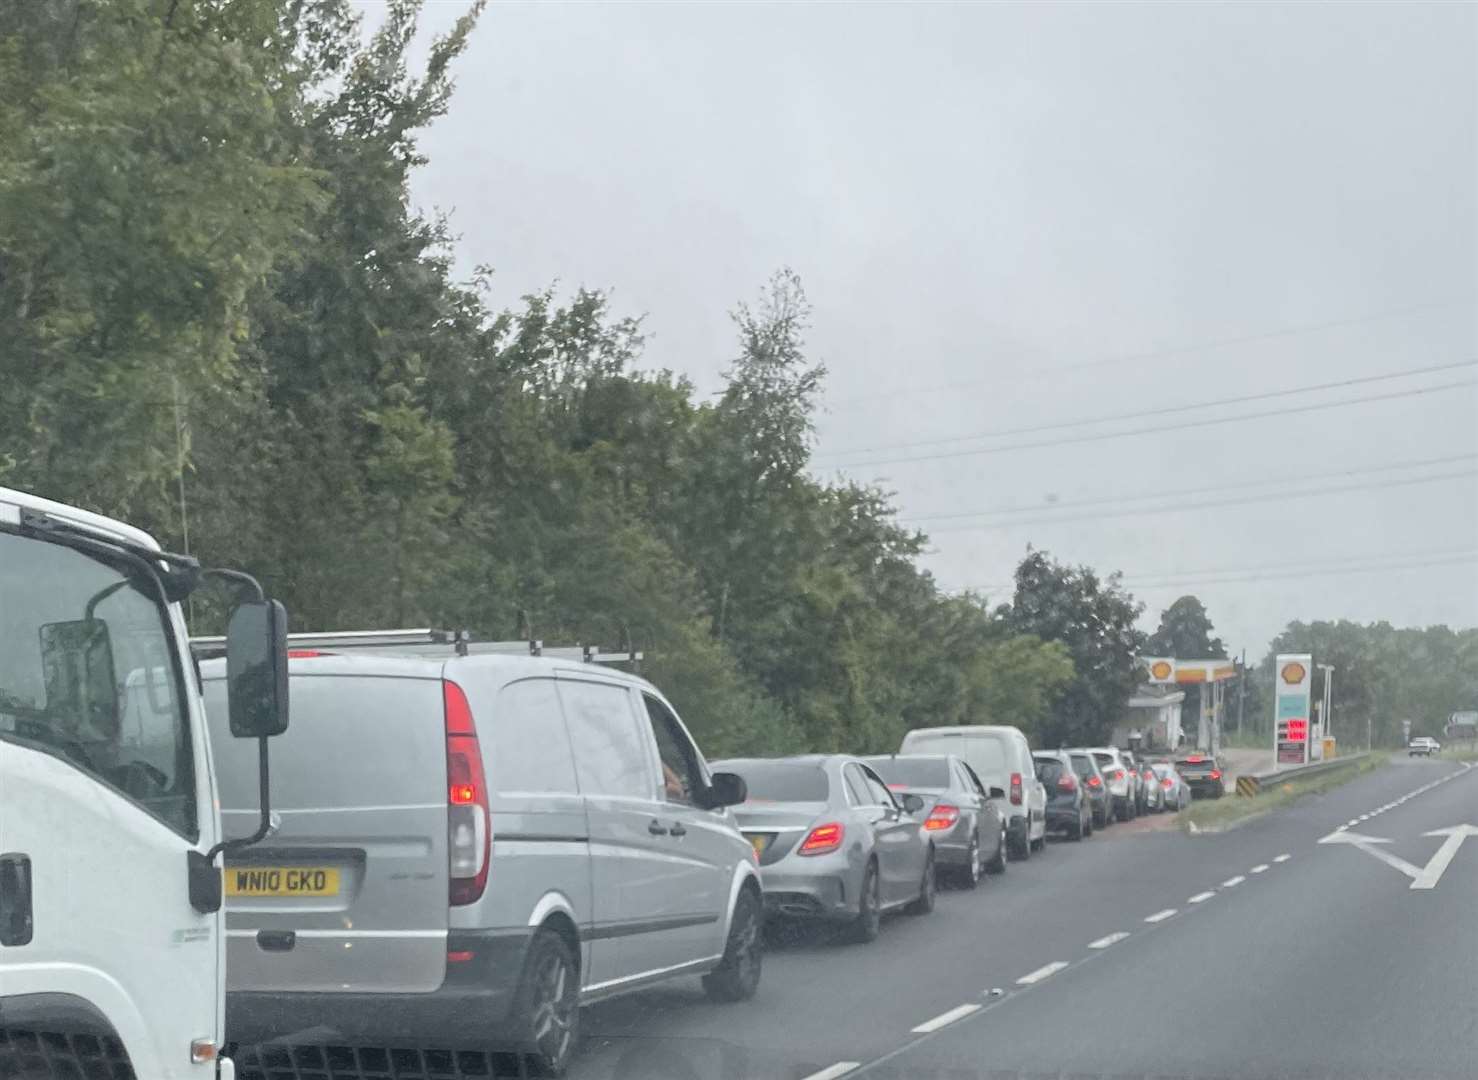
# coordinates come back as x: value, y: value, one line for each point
x: 471, y: 847
x: 1002, y: 758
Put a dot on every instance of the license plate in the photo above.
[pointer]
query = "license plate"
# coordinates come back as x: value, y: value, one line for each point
x: 281, y: 881
x: 759, y: 843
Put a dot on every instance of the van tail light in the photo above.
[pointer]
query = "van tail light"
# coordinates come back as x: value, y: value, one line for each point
x: 943, y: 816
x: 1094, y: 782
x: 1016, y: 789
x: 1216, y: 774
x: 468, y: 827
x: 821, y: 839
x: 1067, y: 783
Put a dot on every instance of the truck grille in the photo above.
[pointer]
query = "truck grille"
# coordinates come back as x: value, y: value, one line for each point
x: 61, y: 1055
x: 274, y: 1061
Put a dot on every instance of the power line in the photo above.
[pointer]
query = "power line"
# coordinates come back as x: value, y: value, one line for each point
x: 1157, y: 354
x: 1208, y: 503
x: 1161, y: 428
x: 1201, y: 489
x: 1137, y: 414
x: 1284, y: 570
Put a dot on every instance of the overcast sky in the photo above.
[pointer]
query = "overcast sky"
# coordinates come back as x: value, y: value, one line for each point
x: 1026, y: 218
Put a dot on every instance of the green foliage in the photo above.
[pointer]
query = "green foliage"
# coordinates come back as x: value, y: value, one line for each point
x: 1185, y: 632
x: 1094, y: 618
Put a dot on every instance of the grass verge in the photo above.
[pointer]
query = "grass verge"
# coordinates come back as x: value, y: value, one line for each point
x: 1215, y: 815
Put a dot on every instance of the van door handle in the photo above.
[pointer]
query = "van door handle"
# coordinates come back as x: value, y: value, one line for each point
x: 677, y: 829
x: 16, y: 918
x: 655, y: 828
x: 277, y: 940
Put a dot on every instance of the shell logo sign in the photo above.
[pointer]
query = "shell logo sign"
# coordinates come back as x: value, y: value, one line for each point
x: 1162, y: 669
x: 1294, y: 673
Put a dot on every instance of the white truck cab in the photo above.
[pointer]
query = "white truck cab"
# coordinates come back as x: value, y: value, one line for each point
x: 111, y: 948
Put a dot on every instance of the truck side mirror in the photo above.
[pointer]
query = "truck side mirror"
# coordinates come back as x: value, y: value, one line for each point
x: 256, y: 669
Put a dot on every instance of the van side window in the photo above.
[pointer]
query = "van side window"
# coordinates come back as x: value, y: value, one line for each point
x: 531, y: 748
x: 610, y: 750
x: 681, y: 774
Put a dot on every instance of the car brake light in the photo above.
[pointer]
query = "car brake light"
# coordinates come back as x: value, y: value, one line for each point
x: 943, y: 816
x: 1094, y: 781
x: 305, y: 654
x: 1016, y: 789
x: 1167, y: 782
x: 822, y: 838
x: 1118, y: 774
x: 468, y: 828
x: 1216, y: 774
x: 897, y: 787
x: 1065, y: 782
x: 1195, y: 759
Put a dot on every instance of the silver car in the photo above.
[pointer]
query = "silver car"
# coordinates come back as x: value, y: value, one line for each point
x: 1174, y: 793
x: 471, y: 847
x: 833, y: 842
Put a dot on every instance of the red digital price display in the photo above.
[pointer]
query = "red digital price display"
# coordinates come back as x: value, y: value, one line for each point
x: 1298, y: 730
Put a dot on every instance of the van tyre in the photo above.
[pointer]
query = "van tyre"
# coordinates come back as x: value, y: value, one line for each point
x: 928, y: 889
x: 546, y: 1010
x: 869, y: 919
x: 737, y: 976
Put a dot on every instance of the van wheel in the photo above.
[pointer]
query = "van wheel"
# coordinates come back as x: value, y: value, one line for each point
x: 737, y: 976
x: 546, y: 1010
x: 869, y: 920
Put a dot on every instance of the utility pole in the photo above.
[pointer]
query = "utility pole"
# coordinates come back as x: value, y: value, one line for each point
x: 1241, y: 691
x: 1328, y: 696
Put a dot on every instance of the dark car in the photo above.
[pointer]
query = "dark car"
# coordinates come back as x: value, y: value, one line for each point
x: 963, y: 817
x: 1069, y: 809
x: 1091, y: 779
x: 1203, y: 774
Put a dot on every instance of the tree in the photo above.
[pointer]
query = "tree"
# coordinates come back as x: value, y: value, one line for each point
x: 1185, y: 632
x: 1094, y: 619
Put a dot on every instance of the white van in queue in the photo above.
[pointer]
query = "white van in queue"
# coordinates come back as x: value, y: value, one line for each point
x: 1001, y: 757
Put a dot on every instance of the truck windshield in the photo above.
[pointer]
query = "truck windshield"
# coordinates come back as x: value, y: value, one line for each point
x: 88, y: 674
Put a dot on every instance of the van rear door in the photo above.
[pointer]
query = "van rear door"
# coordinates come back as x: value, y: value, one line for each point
x: 351, y: 892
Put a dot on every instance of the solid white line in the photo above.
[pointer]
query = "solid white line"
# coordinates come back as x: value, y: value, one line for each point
x: 1042, y: 973
x: 1160, y: 916
x: 1259, y: 868
x: 1111, y: 939
x: 944, y: 1019
x: 1282, y: 858
x: 1200, y: 897
x: 1231, y: 881
x: 831, y: 1072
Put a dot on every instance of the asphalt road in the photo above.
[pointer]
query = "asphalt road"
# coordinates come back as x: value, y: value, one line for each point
x: 1258, y: 952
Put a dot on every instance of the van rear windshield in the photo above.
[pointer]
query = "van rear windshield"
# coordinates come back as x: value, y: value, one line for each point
x: 774, y: 782
x: 913, y: 772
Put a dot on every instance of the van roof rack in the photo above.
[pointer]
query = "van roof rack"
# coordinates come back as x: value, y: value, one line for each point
x: 427, y: 641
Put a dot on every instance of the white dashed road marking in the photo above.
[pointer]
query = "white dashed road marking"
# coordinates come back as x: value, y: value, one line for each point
x: 1282, y: 858
x: 1259, y: 868
x: 1200, y: 897
x: 1233, y: 881
x: 959, y: 1012
x: 831, y: 1072
x: 1042, y: 973
x: 1160, y: 916
x: 1111, y: 939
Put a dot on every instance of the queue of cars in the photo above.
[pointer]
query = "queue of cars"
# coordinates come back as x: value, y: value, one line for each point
x: 501, y: 838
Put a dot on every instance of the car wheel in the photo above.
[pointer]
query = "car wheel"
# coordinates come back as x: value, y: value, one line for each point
x: 546, y: 1009
x: 1077, y: 830
x: 738, y: 974
x: 869, y: 917
x: 1023, y: 850
x: 1040, y: 843
x: 928, y: 889
x: 969, y: 875
x: 997, y: 864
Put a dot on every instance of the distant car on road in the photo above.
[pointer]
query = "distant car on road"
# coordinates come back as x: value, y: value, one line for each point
x: 1069, y: 809
x: 1174, y: 791
x: 1424, y: 745
x: 1203, y: 774
x: 833, y: 842
x: 1099, y: 799
x: 1119, y: 780
x: 1002, y: 758
x: 963, y: 817
x: 1154, y: 794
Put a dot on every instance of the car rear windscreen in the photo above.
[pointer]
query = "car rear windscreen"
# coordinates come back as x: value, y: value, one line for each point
x: 1083, y: 765
x: 913, y: 772
x: 779, y: 782
x: 1048, y: 770
x: 1105, y: 761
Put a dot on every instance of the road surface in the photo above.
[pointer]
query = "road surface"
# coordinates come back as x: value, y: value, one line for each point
x: 1257, y: 952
